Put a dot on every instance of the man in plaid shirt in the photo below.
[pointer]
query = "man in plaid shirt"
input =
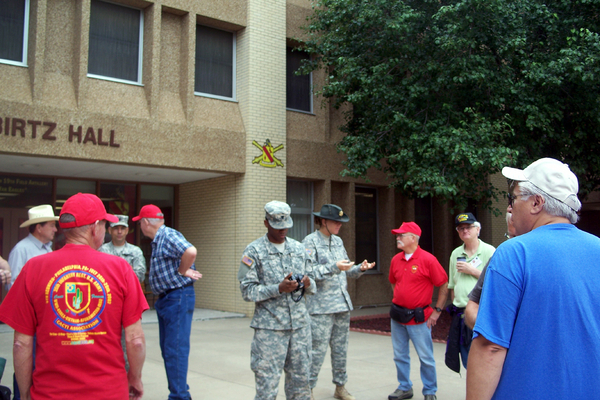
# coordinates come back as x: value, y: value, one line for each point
x: 172, y: 274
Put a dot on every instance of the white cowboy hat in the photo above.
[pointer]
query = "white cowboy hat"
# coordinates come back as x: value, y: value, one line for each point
x: 39, y: 214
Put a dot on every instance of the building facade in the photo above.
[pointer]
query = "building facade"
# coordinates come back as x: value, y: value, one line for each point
x: 193, y: 106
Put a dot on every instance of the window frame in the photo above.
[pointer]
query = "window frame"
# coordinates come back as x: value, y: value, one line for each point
x: 302, y: 210
x: 138, y: 82
x: 310, y: 85
x: 377, y: 268
x: 233, y: 68
x: 23, y: 62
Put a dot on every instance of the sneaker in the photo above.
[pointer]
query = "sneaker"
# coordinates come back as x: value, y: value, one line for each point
x: 430, y: 397
x: 342, y: 394
x: 401, y: 394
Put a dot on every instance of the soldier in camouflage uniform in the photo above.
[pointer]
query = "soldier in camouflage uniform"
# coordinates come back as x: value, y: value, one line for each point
x: 119, y: 247
x: 281, y: 324
x: 330, y: 307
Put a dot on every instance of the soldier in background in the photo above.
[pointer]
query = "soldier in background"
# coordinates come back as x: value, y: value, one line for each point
x: 119, y: 247
x: 330, y: 308
x: 281, y: 323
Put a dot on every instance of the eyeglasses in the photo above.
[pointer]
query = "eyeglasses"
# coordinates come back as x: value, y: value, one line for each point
x: 512, y: 198
x: 405, y: 234
x: 464, y: 228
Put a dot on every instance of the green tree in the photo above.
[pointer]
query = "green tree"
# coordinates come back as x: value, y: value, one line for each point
x: 445, y: 93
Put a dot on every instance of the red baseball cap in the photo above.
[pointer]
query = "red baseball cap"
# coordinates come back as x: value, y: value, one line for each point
x: 149, y: 211
x: 87, y: 209
x: 407, y: 227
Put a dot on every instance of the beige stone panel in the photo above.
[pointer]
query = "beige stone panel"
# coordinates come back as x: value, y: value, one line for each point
x: 170, y: 107
x: 296, y: 15
x: 233, y: 12
x: 114, y: 98
x: 60, y: 30
x: 170, y: 52
x: 59, y: 91
x: 219, y: 114
x: 15, y: 84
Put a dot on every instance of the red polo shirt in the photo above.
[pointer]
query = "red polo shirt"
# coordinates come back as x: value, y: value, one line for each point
x: 414, y: 280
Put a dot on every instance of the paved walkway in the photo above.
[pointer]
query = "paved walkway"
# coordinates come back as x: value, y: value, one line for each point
x: 220, y: 362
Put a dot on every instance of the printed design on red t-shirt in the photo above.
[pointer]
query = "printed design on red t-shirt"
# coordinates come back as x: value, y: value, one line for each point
x: 78, y: 296
x: 414, y: 269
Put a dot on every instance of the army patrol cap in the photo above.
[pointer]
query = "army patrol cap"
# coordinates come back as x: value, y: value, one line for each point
x: 332, y: 212
x: 123, y: 221
x: 278, y: 215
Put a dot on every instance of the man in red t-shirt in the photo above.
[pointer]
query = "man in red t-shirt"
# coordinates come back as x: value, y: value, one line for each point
x: 76, y: 300
x: 413, y: 273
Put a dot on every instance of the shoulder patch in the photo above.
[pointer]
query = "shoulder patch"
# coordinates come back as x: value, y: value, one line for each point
x: 309, y: 252
x: 248, y: 261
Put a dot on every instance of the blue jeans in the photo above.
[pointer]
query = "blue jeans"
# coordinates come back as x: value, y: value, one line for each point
x: 420, y: 335
x: 175, y: 311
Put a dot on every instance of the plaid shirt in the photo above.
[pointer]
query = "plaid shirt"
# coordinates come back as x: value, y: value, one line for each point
x: 167, y: 248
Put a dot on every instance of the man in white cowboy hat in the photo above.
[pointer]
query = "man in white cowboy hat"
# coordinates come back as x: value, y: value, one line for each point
x: 42, y: 227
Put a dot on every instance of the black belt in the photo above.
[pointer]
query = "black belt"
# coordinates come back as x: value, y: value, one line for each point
x: 166, y: 292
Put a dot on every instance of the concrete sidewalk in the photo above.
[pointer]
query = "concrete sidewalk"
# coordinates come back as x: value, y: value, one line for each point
x: 220, y: 362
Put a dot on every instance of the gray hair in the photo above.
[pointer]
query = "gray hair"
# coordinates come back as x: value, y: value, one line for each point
x: 552, y: 206
x: 154, y: 221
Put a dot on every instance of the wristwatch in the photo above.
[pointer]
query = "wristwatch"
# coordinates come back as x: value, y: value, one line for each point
x: 437, y: 309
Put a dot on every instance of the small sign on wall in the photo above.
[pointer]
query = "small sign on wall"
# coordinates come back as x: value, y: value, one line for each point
x: 267, y: 158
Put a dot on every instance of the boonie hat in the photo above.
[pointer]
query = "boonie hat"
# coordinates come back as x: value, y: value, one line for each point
x: 278, y: 215
x: 39, y: 214
x: 464, y: 218
x: 552, y: 176
x: 123, y: 221
x: 407, y: 227
x: 87, y: 209
x: 149, y: 211
x: 332, y: 212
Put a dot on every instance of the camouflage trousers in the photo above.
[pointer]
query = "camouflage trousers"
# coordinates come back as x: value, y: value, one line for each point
x: 273, y: 351
x: 332, y: 330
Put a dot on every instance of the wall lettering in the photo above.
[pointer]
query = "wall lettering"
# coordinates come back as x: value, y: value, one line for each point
x: 20, y: 127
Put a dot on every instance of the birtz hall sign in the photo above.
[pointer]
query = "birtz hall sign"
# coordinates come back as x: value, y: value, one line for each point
x: 46, y: 130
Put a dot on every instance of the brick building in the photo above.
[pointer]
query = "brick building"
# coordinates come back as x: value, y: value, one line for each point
x: 193, y: 106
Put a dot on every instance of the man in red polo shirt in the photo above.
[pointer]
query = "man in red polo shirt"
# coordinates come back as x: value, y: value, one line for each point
x: 413, y: 273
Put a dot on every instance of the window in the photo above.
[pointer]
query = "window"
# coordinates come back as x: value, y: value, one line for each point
x: 14, y: 24
x: 215, y: 63
x: 115, y: 52
x: 366, y: 239
x: 424, y: 218
x: 300, y: 199
x: 298, y: 93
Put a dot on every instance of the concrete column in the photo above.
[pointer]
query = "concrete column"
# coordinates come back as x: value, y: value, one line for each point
x: 261, y: 95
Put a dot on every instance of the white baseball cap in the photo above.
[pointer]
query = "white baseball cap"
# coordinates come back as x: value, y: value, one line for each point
x: 552, y: 176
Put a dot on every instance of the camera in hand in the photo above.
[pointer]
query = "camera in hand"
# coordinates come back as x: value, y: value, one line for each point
x: 300, y: 288
x: 297, y: 278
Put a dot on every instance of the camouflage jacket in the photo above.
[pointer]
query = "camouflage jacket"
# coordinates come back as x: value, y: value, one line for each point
x: 130, y: 253
x: 261, y: 271
x: 332, y: 286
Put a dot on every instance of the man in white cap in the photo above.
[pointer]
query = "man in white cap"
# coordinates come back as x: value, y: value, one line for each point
x: 271, y: 270
x: 536, y: 334
x: 42, y: 228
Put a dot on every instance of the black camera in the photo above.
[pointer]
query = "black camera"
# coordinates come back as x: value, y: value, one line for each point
x: 297, y: 278
x: 300, y: 288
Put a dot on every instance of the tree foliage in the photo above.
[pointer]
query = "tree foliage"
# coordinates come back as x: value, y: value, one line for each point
x: 445, y: 93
